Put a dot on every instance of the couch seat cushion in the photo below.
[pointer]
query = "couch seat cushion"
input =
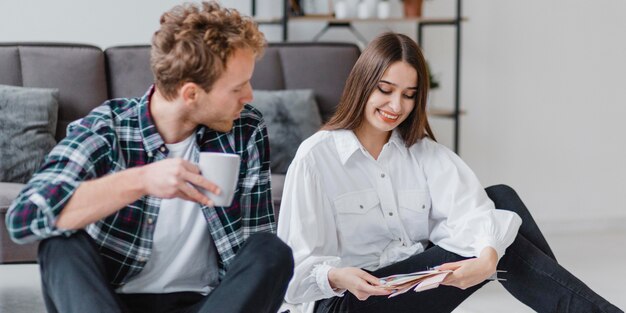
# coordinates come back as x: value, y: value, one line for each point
x: 8, y: 192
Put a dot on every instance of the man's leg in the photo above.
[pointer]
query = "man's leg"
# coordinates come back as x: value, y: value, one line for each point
x: 160, y: 302
x: 256, y: 280
x: 73, y: 276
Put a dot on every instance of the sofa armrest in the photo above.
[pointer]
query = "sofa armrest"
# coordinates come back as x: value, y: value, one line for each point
x: 11, y: 252
x: 278, y: 182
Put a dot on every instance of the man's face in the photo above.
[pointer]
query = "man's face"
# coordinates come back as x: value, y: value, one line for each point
x: 218, y: 108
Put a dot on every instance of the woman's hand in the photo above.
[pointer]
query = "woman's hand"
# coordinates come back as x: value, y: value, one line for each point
x: 359, y: 282
x: 471, y: 272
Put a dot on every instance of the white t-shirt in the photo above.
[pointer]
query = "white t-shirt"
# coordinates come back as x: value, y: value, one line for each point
x: 184, y: 257
x: 341, y: 207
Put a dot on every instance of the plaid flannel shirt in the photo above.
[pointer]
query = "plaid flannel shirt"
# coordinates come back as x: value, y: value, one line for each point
x: 121, y: 134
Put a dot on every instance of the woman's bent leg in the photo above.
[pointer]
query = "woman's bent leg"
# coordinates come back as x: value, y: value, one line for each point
x: 540, y: 282
x: 505, y: 198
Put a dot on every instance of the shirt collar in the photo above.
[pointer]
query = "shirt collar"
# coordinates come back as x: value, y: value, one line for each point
x: 397, y: 139
x: 152, y: 140
x: 347, y: 143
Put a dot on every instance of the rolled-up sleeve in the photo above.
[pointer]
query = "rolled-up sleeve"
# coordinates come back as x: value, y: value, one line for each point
x: 82, y: 155
x: 463, y: 219
x: 307, y: 225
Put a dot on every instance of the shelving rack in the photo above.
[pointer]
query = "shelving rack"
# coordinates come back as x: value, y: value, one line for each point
x: 421, y: 24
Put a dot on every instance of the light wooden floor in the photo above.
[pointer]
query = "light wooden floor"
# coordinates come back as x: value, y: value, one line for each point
x: 598, y: 258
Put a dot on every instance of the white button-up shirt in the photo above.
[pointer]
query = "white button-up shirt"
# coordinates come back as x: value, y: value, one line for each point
x: 341, y: 207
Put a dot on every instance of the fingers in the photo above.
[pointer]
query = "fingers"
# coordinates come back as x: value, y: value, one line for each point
x: 191, y: 174
x: 375, y: 291
x: 201, y: 182
x: 371, y: 285
x: 194, y: 195
x: 371, y: 279
x: 363, y: 292
x: 190, y: 166
x: 466, y: 276
x: 451, y: 266
x: 450, y: 280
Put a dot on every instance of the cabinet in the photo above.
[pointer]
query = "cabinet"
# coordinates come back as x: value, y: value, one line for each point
x: 422, y: 25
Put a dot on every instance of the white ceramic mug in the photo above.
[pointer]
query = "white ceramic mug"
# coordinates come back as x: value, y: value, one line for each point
x: 221, y: 169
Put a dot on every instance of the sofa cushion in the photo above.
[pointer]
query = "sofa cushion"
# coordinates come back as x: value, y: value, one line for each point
x: 76, y: 70
x: 28, y: 119
x: 278, y: 183
x: 8, y: 192
x: 11, y: 252
x: 291, y: 116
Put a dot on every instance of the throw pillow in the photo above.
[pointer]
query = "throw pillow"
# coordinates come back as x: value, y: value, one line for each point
x: 28, y: 121
x: 291, y: 116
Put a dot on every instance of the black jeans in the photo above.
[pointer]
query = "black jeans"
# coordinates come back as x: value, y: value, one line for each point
x: 74, y: 279
x: 533, y: 276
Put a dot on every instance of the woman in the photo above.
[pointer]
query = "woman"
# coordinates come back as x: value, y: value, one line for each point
x: 373, y: 194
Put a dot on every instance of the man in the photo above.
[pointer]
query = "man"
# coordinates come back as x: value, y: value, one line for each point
x: 117, y: 203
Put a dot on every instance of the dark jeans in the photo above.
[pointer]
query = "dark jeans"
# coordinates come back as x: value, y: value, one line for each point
x: 533, y: 276
x: 74, y: 279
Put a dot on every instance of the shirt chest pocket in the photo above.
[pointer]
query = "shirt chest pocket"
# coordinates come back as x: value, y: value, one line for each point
x: 359, y: 218
x: 414, y: 208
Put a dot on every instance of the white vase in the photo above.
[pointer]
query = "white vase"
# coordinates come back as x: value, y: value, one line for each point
x: 363, y: 11
x: 372, y: 5
x: 384, y: 9
x: 396, y: 8
x: 351, y: 8
x: 341, y: 9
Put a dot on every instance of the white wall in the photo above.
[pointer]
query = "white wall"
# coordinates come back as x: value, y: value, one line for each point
x: 544, y: 88
x: 541, y: 84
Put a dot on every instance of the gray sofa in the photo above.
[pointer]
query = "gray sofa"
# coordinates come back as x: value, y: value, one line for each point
x: 86, y: 76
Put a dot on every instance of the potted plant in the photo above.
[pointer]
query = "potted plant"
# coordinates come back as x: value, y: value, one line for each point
x: 434, y: 82
x: 432, y: 89
x: 412, y: 8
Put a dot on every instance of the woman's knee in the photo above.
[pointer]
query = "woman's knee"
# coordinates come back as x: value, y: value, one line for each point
x: 501, y: 192
x: 506, y: 198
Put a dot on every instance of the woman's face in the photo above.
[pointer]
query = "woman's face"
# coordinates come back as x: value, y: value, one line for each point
x: 393, y: 98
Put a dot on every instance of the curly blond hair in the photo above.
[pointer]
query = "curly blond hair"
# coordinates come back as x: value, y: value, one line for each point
x: 194, y: 43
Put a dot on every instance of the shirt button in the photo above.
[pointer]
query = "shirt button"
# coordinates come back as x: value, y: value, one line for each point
x: 150, y: 154
x: 361, y: 206
x: 162, y: 148
x: 382, y: 175
x: 150, y: 221
x: 141, y: 259
x: 390, y: 213
x: 423, y: 206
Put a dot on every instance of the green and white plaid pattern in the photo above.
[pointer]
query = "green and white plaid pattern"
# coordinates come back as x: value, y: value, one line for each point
x: 121, y: 134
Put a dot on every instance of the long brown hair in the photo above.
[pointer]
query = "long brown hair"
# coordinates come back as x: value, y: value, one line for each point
x: 383, y: 51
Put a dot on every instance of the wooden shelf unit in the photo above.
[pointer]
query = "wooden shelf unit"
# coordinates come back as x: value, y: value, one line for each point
x: 421, y: 23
